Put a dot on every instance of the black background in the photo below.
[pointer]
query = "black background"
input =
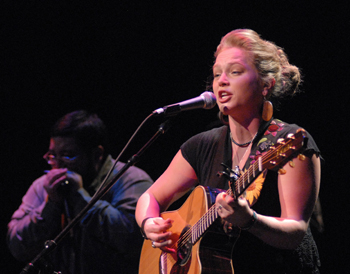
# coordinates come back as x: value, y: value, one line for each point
x: 123, y: 59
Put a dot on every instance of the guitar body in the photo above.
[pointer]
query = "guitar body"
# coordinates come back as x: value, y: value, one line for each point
x: 201, y: 247
x: 211, y: 254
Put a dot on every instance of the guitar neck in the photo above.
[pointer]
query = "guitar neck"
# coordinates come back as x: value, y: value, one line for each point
x: 198, y: 229
x: 274, y: 158
x: 248, y: 177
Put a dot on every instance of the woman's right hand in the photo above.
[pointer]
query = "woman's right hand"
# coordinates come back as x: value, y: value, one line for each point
x: 156, y: 230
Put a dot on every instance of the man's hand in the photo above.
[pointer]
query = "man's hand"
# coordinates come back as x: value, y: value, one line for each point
x: 59, y: 181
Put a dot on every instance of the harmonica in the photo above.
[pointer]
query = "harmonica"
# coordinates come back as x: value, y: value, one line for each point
x: 63, y: 183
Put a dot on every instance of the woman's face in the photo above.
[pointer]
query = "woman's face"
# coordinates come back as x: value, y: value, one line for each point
x: 236, y: 83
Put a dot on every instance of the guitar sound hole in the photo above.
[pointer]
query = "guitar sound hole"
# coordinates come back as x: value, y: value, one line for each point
x: 184, y: 248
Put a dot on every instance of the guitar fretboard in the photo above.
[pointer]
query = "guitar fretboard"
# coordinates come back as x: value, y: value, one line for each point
x: 198, y: 229
x: 248, y: 177
x: 278, y: 155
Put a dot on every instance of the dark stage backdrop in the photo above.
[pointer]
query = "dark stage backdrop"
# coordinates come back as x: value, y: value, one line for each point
x: 123, y: 59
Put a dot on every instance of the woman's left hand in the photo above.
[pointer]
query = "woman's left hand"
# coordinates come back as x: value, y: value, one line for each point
x: 233, y: 212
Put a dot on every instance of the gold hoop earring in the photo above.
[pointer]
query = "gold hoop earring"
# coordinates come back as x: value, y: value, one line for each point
x: 267, y: 111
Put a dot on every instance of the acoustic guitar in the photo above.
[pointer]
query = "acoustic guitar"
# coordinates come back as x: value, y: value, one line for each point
x: 201, y: 246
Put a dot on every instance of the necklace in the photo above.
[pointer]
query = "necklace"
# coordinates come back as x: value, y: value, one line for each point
x: 244, y: 144
x: 238, y: 159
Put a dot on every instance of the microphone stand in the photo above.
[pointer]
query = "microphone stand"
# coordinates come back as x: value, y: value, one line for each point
x: 50, y: 245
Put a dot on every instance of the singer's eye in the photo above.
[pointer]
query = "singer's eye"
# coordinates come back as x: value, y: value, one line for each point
x: 236, y: 69
x: 235, y: 72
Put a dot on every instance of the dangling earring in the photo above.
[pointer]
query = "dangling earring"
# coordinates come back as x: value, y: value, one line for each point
x: 267, y: 110
x: 223, y: 118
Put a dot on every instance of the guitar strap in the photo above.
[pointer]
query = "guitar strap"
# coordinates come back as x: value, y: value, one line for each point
x: 267, y: 136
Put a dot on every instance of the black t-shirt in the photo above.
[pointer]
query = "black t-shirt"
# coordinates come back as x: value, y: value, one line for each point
x: 206, y: 152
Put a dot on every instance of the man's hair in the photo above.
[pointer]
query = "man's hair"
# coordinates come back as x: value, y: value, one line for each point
x: 87, y: 129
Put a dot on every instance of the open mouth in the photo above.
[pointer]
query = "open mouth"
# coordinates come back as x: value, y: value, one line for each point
x: 224, y: 96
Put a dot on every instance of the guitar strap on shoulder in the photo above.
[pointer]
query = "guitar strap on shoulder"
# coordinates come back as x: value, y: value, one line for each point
x: 268, y: 135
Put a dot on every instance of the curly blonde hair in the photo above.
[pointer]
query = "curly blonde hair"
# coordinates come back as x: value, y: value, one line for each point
x: 269, y: 59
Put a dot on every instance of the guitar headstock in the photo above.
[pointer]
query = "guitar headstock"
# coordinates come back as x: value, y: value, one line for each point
x: 285, y: 150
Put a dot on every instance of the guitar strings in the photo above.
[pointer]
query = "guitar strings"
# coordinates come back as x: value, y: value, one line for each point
x: 212, y: 214
x: 254, y: 167
x: 209, y: 215
x: 197, y: 229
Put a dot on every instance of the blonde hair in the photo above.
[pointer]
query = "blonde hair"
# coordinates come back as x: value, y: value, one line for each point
x: 269, y: 59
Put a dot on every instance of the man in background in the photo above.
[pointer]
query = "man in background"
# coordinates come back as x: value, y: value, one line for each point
x: 107, y: 239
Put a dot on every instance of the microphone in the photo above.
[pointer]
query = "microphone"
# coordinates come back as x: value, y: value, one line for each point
x: 206, y: 100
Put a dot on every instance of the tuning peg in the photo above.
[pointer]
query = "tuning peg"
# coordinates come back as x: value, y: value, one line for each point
x: 282, y: 171
x: 291, y: 163
x: 291, y: 136
x: 301, y: 157
x: 281, y: 141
